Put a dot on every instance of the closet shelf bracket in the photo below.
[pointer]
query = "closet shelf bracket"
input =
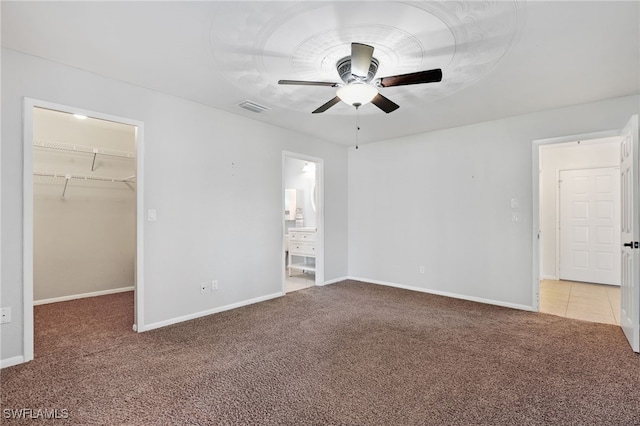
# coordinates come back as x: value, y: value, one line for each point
x: 93, y: 164
x: 67, y: 178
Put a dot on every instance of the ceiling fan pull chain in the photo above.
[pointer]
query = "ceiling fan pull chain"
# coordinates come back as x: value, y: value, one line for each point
x: 357, y: 124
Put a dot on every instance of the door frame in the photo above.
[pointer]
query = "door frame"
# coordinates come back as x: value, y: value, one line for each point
x: 319, y: 162
x: 536, y: 231
x: 27, y: 198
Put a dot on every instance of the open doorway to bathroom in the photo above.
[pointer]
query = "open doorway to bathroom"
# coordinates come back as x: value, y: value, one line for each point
x: 301, y: 228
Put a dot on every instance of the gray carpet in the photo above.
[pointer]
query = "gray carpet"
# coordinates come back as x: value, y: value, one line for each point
x: 346, y: 354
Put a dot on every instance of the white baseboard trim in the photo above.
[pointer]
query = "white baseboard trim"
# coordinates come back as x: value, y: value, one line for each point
x: 82, y: 296
x: 183, y: 318
x: 335, y: 280
x: 448, y: 294
x: 550, y: 277
x: 11, y: 361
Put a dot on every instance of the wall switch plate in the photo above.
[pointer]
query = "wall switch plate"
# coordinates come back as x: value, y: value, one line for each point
x: 514, y: 216
x: 5, y: 315
x: 151, y: 215
x: 421, y: 269
x: 514, y: 203
x: 203, y: 288
x: 214, y: 285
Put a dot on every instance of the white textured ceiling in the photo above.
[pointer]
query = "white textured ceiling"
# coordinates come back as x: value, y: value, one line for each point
x: 499, y: 58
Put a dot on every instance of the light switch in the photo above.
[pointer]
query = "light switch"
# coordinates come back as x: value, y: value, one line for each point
x: 514, y: 216
x: 514, y: 203
x: 151, y: 216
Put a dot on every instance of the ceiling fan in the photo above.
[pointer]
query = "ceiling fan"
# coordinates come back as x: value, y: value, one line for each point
x: 359, y: 87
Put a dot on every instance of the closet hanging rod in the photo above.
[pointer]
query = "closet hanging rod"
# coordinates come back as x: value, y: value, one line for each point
x: 68, y: 176
x: 61, y: 146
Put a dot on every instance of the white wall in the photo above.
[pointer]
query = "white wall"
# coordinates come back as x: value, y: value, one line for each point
x: 83, y: 242
x: 83, y: 245
x: 214, y: 178
x: 566, y: 156
x: 442, y: 200
x: 295, y: 178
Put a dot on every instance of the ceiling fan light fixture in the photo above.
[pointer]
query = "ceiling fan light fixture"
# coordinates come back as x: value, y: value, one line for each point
x: 357, y: 71
x: 357, y: 93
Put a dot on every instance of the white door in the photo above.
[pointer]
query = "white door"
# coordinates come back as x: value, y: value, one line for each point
x: 590, y: 225
x: 629, y: 236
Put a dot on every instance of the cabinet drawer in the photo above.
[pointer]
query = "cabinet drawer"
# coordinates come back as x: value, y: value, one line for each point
x: 302, y: 248
x: 302, y: 236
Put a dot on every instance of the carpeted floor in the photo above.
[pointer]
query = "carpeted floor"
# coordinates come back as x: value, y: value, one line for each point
x: 346, y: 354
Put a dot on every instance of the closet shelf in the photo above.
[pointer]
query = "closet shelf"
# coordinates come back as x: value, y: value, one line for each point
x: 129, y: 181
x: 61, y: 146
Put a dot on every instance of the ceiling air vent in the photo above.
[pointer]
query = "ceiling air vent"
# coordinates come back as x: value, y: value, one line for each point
x: 252, y: 106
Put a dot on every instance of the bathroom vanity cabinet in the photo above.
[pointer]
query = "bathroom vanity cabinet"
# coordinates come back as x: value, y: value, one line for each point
x: 302, y: 249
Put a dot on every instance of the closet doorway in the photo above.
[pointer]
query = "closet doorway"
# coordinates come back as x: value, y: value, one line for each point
x: 302, y: 225
x: 82, y: 195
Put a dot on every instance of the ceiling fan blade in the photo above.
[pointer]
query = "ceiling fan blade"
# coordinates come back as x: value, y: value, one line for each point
x: 430, y: 76
x: 361, y: 55
x: 308, y: 83
x: 326, y: 106
x: 384, y: 104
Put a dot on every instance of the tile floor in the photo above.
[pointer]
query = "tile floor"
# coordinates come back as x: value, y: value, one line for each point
x: 583, y: 301
x: 299, y: 280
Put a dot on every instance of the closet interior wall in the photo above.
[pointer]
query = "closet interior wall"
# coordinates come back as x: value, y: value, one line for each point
x: 84, y: 206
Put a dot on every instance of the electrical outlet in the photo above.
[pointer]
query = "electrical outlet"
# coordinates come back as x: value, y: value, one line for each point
x: 203, y: 288
x: 421, y: 269
x: 5, y: 315
x: 214, y: 285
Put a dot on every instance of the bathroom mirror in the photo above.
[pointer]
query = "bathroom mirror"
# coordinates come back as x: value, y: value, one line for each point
x: 290, y: 204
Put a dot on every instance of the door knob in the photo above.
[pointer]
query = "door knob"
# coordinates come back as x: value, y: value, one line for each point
x: 631, y: 244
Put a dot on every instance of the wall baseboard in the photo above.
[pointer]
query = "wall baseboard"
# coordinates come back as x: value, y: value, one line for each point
x: 550, y: 277
x: 447, y: 294
x: 335, y: 280
x: 11, y: 361
x: 82, y: 296
x: 200, y: 314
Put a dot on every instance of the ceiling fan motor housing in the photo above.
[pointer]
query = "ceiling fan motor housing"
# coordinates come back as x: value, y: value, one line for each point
x: 344, y: 70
